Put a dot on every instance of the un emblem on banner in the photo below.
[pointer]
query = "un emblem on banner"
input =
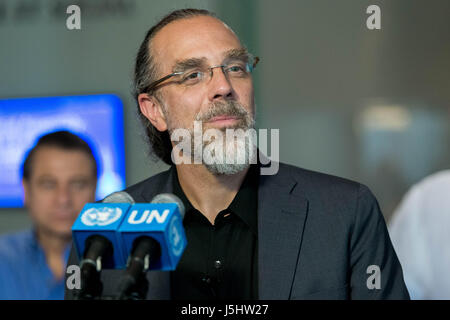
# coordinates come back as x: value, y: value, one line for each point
x: 101, y: 216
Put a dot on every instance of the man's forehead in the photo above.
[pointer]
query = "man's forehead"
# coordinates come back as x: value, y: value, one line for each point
x: 196, y: 37
x: 49, y: 159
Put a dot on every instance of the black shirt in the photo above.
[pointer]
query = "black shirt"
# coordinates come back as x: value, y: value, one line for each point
x: 220, y: 260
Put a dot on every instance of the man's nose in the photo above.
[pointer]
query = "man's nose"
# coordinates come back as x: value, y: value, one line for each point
x: 64, y: 195
x: 219, y: 85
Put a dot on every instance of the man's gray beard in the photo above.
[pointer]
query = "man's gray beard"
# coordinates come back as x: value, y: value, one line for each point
x: 241, y: 155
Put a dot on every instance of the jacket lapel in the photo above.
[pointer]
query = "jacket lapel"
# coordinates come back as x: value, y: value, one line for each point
x: 281, y: 218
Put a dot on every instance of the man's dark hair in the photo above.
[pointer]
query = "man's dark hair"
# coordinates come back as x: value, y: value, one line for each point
x: 146, y: 71
x: 60, y: 139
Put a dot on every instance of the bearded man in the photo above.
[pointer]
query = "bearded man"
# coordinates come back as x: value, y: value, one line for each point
x: 296, y: 234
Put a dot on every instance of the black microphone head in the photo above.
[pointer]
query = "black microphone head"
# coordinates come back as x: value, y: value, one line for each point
x: 119, y: 197
x: 170, y: 198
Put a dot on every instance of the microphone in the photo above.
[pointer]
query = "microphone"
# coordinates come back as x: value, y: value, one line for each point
x: 153, y: 237
x: 96, y: 243
x: 119, y: 197
x: 170, y: 198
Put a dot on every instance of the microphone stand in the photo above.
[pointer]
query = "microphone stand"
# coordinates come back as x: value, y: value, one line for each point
x: 137, y: 291
x: 134, y: 284
x: 91, y: 285
x: 91, y: 266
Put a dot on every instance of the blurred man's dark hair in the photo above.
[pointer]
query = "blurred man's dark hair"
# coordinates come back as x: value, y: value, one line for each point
x: 64, y: 140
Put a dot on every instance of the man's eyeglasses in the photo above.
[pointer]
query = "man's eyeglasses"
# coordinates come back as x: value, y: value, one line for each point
x: 190, y: 77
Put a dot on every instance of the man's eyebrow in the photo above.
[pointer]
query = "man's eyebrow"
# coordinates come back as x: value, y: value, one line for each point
x: 45, y: 177
x: 237, y: 54
x: 190, y: 63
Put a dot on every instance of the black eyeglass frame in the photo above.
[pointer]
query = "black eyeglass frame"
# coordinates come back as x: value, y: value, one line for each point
x: 152, y: 87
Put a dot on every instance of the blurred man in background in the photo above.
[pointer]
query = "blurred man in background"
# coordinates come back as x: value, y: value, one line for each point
x: 59, y: 178
x: 420, y: 234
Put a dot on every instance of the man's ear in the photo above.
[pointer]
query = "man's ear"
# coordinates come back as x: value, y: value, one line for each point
x: 152, y: 110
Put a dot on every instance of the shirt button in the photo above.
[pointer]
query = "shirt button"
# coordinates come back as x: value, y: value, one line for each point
x: 217, y: 264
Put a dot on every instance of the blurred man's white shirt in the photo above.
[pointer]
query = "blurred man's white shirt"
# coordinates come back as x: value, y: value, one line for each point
x: 420, y: 233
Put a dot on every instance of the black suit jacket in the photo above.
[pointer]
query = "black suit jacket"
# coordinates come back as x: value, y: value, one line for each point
x: 317, y: 236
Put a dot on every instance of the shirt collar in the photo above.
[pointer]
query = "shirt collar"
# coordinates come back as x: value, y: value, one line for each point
x: 244, y: 204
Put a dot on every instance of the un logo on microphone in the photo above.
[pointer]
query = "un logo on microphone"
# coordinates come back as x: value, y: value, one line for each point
x: 102, y: 216
x: 175, y: 236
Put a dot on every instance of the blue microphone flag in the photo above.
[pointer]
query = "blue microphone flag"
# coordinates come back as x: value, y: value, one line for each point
x: 101, y: 219
x: 160, y: 221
